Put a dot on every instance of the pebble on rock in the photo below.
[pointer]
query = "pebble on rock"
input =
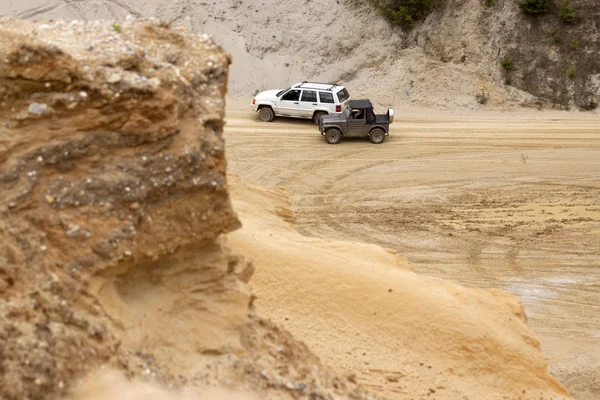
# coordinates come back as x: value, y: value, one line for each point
x: 37, y: 108
x: 114, y: 78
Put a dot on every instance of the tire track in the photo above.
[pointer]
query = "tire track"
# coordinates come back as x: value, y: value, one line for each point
x: 73, y: 7
x: 111, y: 10
x: 34, y: 12
x: 125, y: 7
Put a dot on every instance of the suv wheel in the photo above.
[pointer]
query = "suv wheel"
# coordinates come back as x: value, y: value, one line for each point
x: 266, y: 114
x: 377, y: 136
x: 333, y: 136
x: 317, y: 117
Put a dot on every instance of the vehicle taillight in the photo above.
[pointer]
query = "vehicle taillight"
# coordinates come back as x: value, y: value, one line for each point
x: 338, y: 108
x: 254, y: 101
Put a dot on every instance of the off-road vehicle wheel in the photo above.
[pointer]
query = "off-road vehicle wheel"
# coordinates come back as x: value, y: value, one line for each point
x: 317, y: 117
x: 266, y: 114
x: 377, y: 136
x: 333, y: 136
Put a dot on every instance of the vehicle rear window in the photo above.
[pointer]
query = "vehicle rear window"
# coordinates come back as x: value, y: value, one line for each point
x: 309, y: 95
x: 326, y: 97
x: 343, y: 95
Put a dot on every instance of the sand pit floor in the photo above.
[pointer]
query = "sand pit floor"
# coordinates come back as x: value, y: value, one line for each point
x: 495, y: 200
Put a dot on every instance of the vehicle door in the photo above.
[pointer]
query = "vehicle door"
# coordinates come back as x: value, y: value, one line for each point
x: 308, y: 103
x: 356, y: 123
x: 289, y: 103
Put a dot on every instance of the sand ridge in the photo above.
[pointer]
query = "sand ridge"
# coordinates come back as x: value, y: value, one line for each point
x: 364, y: 311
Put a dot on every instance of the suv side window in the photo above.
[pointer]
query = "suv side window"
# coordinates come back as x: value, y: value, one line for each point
x: 357, y: 114
x: 309, y: 95
x: 326, y: 97
x: 292, y: 95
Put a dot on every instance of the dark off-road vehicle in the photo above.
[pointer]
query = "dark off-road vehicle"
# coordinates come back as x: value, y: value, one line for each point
x: 357, y: 120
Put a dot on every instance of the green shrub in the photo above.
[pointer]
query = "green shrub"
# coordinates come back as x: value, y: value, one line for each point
x: 116, y: 28
x: 574, y: 44
x: 507, y: 63
x: 482, y: 97
x: 404, y: 13
x: 566, y: 13
x: 535, y: 7
x: 557, y: 39
x: 491, y: 3
x: 572, y: 73
x: 591, y: 104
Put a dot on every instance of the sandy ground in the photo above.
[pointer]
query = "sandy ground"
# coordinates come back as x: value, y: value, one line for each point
x: 493, y: 200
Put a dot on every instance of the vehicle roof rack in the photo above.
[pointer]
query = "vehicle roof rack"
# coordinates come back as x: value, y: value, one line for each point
x: 330, y: 88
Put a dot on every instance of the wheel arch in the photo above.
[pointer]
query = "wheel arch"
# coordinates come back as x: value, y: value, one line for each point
x: 378, y: 127
x: 260, y: 106
x: 337, y: 128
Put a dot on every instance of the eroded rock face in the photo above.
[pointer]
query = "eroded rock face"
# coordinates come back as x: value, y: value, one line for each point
x: 112, y: 179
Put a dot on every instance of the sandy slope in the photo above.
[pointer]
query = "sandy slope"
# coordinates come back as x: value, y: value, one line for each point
x: 496, y: 200
x: 275, y: 44
x: 364, y: 311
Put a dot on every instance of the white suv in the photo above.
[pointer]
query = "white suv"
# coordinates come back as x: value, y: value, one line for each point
x: 303, y: 100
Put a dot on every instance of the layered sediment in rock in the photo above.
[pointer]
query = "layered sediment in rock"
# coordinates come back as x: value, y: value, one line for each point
x: 113, y: 196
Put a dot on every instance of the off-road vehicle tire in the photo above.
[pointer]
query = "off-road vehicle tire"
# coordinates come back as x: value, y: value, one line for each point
x: 266, y: 114
x: 377, y: 136
x: 333, y: 136
x: 317, y: 116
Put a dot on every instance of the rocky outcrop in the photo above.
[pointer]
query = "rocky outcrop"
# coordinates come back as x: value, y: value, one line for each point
x: 552, y: 60
x: 112, y: 180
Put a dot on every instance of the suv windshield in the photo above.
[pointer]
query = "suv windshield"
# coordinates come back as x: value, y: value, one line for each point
x: 343, y: 95
x: 282, y: 92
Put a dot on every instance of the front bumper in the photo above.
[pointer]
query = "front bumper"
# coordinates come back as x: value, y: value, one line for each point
x: 254, y: 107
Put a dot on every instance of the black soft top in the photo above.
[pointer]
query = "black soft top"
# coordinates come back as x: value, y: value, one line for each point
x: 360, y: 104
